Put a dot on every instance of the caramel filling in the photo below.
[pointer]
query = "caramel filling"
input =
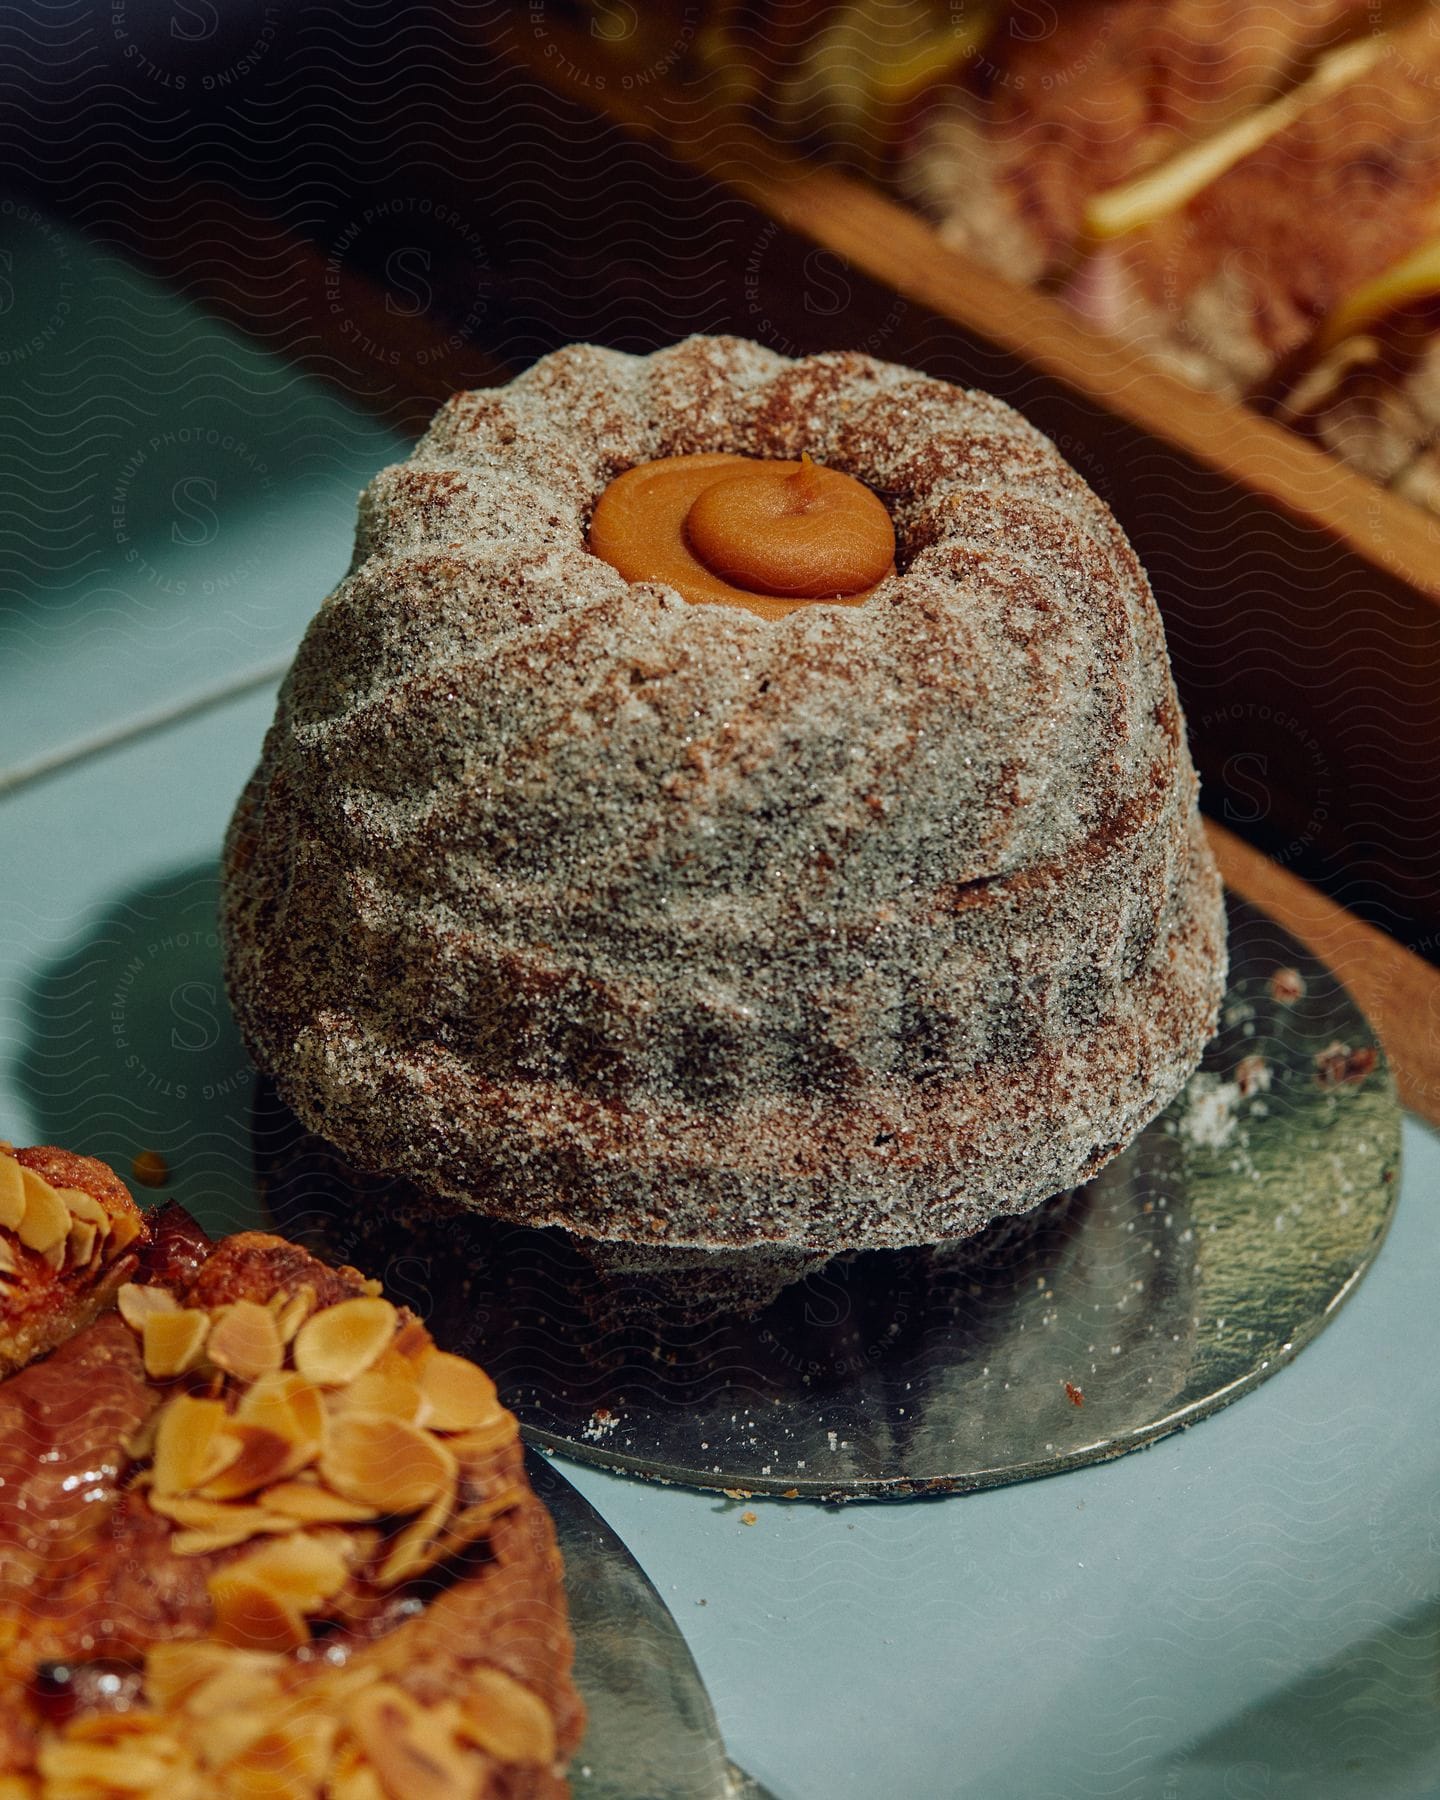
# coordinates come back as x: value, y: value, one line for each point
x: 736, y: 531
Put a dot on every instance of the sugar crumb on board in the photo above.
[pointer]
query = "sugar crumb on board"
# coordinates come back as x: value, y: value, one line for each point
x: 599, y: 1425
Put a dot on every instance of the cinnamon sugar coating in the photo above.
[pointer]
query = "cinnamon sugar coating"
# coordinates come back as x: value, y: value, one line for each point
x: 583, y: 906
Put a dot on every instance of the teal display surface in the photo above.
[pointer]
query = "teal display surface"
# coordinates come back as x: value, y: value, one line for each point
x: 1249, y: 1609
x: 175, y: 500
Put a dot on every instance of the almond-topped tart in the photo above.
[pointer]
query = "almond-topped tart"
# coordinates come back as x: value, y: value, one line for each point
x: 70, y: 1235
x: 734, y: 805
x: 260, y: 1537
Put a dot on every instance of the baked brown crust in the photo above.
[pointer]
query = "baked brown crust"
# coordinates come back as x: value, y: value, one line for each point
x: 586, y: 907
x: 51, y: 1285
x: 184, y: 1585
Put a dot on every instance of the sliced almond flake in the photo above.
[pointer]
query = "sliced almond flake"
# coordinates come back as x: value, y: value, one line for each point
x: 300, y: 1746
x: 353, y: 1779
x: 286, y: 1403
x: 384, y: 1393
x: 245, y: 1341
x: 248, y: 1673
x: 137, y: 1303
x: 441, y: 1533
x: 338, y: 1343
x: 251, y: 1615
x: 300, y: 1572
x: 71, y: 1768
x: 85, y: 1206
x: 139, y: 1444
x: 470, y: 1524
x: 507, y: 1719
x: 234, y: 1708
x: 12, y: 1192
x: 47, y: 1218
x: 125, y: 1227
x: 262, y: 1456
x: 495, y: 1434
x: 81, y: 1244
x: 202, y: 1514
x: 237, y: 1716
x: 308, y: 1503
x: 291, y: 1311
x: 208, y: 1543
x: 414, y: 1749
x: 174, y: 1342
x: 391, y: 1465
x: 188, y: 1445
x: 175, y: 1671
x: 206, y: 1540
x: 421, y: 1544
x: 9, y: 1265
x: 460, y: 1396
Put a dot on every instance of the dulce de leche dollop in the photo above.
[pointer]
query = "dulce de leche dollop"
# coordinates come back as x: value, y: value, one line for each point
x: 737, y: 531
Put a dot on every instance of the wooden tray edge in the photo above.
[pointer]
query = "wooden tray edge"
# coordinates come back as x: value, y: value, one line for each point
x: 1398, y: 991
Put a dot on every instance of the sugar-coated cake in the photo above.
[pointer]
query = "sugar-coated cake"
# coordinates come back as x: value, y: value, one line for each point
x: 670, y: 924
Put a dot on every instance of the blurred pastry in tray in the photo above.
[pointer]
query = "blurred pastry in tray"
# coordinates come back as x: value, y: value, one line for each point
x: 842, y: 79
x: 1003, y: 120
x: 1233, y: 186
x: 1057, y: 109
x: 258, y: 1536
x: 1228, y: 259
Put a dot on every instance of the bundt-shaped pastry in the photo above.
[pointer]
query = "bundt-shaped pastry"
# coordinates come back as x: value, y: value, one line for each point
x: 583, y: 905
